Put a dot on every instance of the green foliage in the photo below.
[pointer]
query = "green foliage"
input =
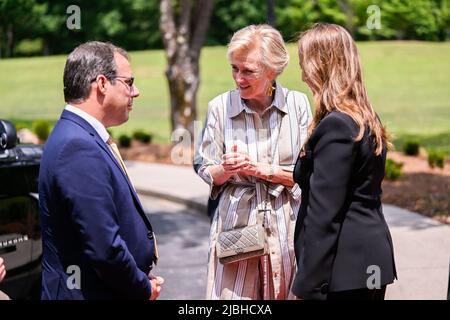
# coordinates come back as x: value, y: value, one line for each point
x: 436, y: 158
x: 110, y: 132
x: 42, y: 129
x: 18, y: 19
x: 294, y: 16
x: 29, y: 47
x: 400, y: 19
x: 141, y: 135
x: 444, y: 19
x: 20, y: 126
x: 134, y: 24
x: 393, y: 169
x: 404, y: 19
x: 332, y: 11
x: 411, y: 147
x: 125, y: 141
x: 439, y: 141
x: 230, y: 16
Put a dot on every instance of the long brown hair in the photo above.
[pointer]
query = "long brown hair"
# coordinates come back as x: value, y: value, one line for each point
x: 331, y: 68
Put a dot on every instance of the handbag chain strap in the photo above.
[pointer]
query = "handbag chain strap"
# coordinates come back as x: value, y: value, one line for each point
x: 265, y: 211
x: 265, y: 222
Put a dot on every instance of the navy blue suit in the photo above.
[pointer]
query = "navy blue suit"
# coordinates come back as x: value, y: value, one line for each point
x: 91, y: 218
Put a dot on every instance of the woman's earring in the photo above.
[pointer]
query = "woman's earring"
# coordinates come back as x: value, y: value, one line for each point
x: 270, y: 90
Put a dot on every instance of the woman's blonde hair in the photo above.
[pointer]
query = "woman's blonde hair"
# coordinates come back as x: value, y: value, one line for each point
x: 266, y: 40
x: 331, y: 67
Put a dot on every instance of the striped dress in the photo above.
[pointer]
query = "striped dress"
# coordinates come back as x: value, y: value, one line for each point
x: 274, y: 137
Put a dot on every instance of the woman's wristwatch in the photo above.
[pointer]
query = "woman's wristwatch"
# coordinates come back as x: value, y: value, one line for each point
x: 271, y: 172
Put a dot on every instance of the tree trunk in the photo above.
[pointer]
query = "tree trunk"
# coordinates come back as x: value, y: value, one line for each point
x: 183, y: 43
x: 46, y: 48
x: 183, y: 79
x: 271, y: 12
x: 347, y: 9
x: 1, y: 41
x: 9, y: 41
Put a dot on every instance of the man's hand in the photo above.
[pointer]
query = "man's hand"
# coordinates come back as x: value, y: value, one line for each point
x: 156, y: 283
x: 2, y: 270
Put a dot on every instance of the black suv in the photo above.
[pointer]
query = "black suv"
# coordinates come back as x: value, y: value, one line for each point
x: 20, y: 235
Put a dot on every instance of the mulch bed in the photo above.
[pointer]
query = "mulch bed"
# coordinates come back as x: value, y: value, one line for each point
x: 147, y: 152
x: 421, y: 189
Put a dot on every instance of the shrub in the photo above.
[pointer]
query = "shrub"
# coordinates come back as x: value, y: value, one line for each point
x: 436, y: 158
x: 124, y: 141
x: 411, y: 147
x: 142, y: 136
x: 20, y: 126
x: 110, y: 133
x: 28, y: 47
x: 393, y: 169
x: 42, y: 129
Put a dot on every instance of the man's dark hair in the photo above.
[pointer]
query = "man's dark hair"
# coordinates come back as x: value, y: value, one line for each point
x: 84, y: 64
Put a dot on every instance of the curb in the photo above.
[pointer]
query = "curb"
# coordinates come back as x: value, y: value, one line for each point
x: 192, y: 204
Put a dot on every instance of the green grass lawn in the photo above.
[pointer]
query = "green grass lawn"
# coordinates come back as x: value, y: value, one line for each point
x: 408, y: 83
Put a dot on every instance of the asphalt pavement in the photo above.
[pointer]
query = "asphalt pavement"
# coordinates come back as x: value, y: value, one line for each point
x: 182, y: 236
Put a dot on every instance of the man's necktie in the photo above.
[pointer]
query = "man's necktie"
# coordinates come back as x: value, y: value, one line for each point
x: 119, y: 159
x: 117, y: 155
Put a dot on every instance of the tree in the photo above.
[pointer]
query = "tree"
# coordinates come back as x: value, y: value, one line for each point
x: 183, y: 42
x: 445, y: 20
x: 294, y: 16
x: 410, y: 20
x: 16, y: 15
x: 230, y: 16
x: 271, y: 12
x: 347, y: 8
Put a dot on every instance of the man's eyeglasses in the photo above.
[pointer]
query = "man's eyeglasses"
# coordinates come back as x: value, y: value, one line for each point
x: 129, y: 81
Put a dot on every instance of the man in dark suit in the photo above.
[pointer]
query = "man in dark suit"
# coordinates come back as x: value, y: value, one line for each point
x: 448, y: 288
x: 97, y: 240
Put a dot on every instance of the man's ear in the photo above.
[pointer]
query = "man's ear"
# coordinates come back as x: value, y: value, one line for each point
x: 102, y: 82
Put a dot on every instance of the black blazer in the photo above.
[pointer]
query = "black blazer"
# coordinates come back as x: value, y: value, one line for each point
x: 340, y: 229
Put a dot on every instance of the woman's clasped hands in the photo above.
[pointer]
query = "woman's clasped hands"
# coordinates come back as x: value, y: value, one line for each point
x: 238, y: 162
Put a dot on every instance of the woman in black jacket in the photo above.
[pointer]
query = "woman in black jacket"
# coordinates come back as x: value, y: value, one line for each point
x: 342, y: 242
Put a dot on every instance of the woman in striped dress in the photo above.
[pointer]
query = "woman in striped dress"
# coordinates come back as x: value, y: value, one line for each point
x: 252, y: 137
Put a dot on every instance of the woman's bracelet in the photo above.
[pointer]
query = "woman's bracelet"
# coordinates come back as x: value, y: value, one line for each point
x: 271, y: 173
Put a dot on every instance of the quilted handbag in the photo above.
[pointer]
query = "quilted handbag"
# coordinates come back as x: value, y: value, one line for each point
x: 241, y: 243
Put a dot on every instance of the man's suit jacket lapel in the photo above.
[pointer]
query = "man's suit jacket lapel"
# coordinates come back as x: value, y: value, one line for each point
x: 105, y: 148
x: 86, y: 126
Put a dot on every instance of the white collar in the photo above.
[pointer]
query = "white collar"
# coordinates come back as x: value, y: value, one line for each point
x: 279, y: 102
x: 97, y: 125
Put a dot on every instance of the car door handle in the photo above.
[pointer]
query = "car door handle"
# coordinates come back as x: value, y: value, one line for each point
x: 8, y: 249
